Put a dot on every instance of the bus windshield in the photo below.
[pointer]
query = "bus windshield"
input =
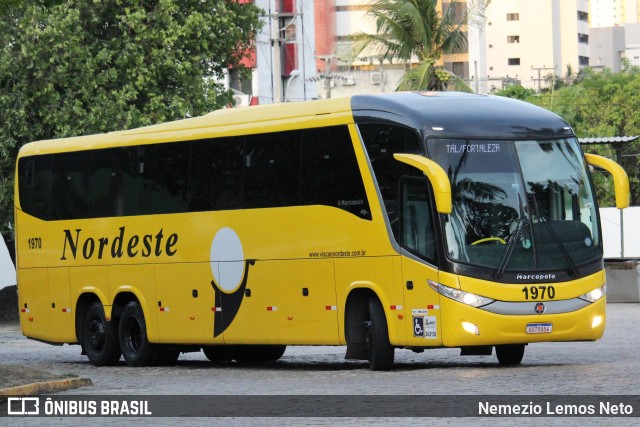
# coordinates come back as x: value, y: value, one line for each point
x: 519, y: 205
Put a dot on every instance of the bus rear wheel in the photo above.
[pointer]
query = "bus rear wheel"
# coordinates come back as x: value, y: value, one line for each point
x: 136, y: 348
x: 380, y: 351
x: 100, y: 337
x: 510, y: 354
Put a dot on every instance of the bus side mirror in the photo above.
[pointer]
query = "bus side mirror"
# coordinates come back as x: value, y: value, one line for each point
x: 436, y: 175
x: 620, y: 178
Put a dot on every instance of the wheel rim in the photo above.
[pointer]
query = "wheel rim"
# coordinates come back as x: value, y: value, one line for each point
x: 96, y: 334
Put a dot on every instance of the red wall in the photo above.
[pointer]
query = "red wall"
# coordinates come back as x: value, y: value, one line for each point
x: 325, y: 19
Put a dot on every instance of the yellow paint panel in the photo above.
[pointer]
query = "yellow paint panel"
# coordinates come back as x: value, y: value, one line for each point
x: 140, y: 281
x: 513, y: 292
x: 258, y: 319
x: 90, y: 279
x: 33, y: 299
x: 185, y: 303
x: 499, y: 329
x: 309, y: 312
x: 421, y: 305
x: 63, y: 327
x: 380, y: 276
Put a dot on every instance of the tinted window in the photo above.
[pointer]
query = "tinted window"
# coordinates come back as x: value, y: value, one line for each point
x: 404, y: 189
x: 416, y: 219
x: 272, y: 170
x: 164, y: 171
x: 382, y: 141
x: 216, y: 174
x: 127, y: 162
x: 330, y: 173
x: 102, y: 177
x: 316, y: 166
x: 70, y: 195
x: 34, y: 184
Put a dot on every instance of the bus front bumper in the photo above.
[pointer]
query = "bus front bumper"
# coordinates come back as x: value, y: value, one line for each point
x: 469, y: 326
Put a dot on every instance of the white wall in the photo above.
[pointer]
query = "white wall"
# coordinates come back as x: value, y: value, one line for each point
x: 610, y: 219
x: 7, y: 269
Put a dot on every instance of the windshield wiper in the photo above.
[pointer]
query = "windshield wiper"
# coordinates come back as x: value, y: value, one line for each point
x: 563, y: 250
x: 523, y: 221
x: 557, y: 241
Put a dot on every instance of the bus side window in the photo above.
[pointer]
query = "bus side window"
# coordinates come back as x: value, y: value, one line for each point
x: 70, y: 187
x: 382, y: 141
x: 34, y: 184
x: 215, y: 176
x: 164, y: 174
x: 271, y: 170
x: 417, y: 224
x: 330, y: 172
x: 102, y: 183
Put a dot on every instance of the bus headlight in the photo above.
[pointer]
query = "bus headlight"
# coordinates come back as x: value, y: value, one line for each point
x: 457, y: 295
x: 595, y: 294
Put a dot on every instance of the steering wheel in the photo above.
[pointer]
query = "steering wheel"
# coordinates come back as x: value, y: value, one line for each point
x: 489, y: 239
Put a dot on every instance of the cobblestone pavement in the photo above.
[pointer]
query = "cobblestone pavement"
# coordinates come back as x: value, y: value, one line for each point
x: 610, y: 366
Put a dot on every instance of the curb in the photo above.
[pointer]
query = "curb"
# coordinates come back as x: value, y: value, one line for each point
x: 45, y: 387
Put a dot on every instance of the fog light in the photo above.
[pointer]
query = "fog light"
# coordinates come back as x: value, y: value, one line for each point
x: 597, y: 321
x: 471, y: 328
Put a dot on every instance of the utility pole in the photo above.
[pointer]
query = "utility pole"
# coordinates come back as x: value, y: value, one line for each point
x: 539, y: 79
x: 276, y: 52
x: 327, y: 75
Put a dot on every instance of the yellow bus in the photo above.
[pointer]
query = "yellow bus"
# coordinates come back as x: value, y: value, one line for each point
x: 379, y: 222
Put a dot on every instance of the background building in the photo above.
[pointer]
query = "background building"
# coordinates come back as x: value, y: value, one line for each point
x: 301, y: 52
x: 525, y: 41
x: 612, y: 13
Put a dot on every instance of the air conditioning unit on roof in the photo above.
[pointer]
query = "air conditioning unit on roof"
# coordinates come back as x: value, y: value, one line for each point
x: 348, y: 81
x: 241, y: 100
x: 376, y: 78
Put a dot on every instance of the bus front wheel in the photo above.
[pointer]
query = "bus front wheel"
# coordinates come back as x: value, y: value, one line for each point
x: 379, y: 350
x: 136, y: 348
x: 510, y: 354
x: 100, y: 337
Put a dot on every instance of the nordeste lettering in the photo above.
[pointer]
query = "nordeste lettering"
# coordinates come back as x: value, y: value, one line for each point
x: 117, y: 246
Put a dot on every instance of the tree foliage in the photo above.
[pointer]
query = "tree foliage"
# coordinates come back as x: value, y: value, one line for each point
x: 88, y: 66
x: 516, y: 92
x: 409, y: 29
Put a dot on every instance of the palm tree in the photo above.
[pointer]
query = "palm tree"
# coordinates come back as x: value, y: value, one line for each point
x: 407, y: 29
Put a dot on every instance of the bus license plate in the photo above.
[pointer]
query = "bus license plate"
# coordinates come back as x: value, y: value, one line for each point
x: 539, y: 328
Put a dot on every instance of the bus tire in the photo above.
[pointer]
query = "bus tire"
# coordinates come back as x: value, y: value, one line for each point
x: 218, y: 353
x: 136, y: 348
x: 510, y: 354
x: 271, y: 353
x: 100, y: 337
x: 379, y: 349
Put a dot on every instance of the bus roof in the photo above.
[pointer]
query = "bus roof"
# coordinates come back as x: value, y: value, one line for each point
x: 433, y: 113
x: 453, y: 115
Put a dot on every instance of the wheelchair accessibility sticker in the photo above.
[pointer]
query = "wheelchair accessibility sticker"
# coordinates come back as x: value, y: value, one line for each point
x: 425, y: 327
